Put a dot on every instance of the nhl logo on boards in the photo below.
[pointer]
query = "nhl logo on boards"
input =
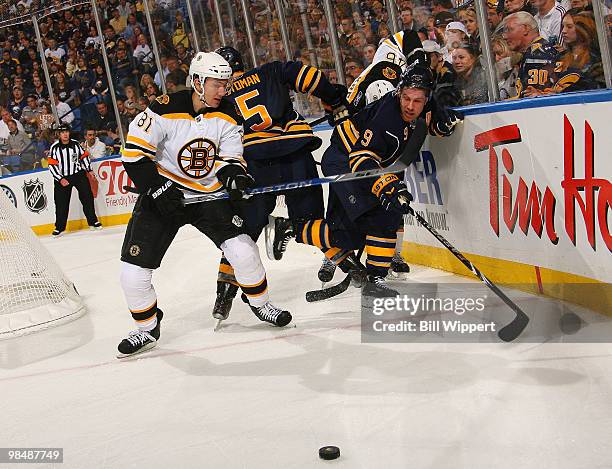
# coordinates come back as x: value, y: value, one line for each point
x: 34, y: 195
x: 389, y: 73
x: 197, y: 157
x: 9, y: 193
x: 134, y: 250
x: 237, y: 221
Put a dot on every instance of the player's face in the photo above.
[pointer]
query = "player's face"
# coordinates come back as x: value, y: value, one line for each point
x: 412, y: 103
x: 214, y: 90
x: 569, y: 30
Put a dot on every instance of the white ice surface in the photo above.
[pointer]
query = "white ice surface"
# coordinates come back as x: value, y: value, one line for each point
x: 252, y: 396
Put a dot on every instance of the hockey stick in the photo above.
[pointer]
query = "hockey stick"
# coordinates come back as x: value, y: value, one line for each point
x: 329, y: 292
x: 318, y: 121
x: 512, y: 330
x: 410, y: 153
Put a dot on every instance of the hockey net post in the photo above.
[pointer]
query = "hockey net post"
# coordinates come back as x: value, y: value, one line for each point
x: 34, y: 292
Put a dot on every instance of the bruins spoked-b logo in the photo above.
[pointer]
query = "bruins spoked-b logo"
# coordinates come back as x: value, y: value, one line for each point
x: 197, y: 158
x: 34, y: 195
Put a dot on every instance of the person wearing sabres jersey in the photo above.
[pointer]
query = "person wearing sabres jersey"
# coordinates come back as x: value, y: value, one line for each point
x: 187, y: 144
x: 278, y: 146
x: 369, y: 211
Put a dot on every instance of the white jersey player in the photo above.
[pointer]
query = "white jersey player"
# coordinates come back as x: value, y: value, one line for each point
x: 184, y: 144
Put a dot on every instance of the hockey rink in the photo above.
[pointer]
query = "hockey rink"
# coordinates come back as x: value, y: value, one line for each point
x: 254, y: 396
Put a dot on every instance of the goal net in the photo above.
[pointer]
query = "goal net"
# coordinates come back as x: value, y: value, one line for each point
x: 34, y: 293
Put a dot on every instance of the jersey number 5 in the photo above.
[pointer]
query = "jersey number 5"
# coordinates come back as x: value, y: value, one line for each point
x: 257, y: 110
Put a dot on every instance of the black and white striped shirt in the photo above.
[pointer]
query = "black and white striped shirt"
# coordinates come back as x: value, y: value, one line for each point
x: 65, y: 160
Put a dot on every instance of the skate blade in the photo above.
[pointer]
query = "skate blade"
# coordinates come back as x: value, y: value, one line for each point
x: 146, y: 348
x: 269, y: 237
x: 218, y: 325
x: 391, y: 275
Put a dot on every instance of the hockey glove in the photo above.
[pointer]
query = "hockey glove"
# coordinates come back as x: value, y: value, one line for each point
x: 446, y: 120
x: 339, y: 109
x: 392, y: 193
x: 168, y: 200
x: 236, y: 180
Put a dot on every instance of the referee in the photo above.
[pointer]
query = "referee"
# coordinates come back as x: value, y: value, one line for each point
x: 68, y: 164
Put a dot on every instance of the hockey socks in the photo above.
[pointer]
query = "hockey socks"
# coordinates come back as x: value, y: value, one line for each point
x: 380, y: 252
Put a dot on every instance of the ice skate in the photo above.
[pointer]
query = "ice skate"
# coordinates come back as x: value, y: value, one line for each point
x: 399, y: 269
x: 140, y: 341
x: 270, y: 313
x: 226, y: 292
x: 376, y: 287
x: 278, y: 232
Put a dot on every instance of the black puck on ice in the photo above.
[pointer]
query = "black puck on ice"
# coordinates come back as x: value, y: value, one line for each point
x: 329, y: 452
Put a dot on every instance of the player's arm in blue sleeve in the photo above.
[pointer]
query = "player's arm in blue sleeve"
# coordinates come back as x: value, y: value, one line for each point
x: 368, y: 150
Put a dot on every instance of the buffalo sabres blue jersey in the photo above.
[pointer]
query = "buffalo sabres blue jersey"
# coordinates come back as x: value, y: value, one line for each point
x: 375, y: 136
x: 272, y: 128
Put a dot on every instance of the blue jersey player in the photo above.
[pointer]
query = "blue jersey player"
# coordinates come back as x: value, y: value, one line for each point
x: 278, y: 145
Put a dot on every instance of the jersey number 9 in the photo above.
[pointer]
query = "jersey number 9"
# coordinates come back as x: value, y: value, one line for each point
x: 257, y: 110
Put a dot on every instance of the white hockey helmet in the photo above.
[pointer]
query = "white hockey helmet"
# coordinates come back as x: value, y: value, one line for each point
x: 207, y: 65
x: 377, y: 89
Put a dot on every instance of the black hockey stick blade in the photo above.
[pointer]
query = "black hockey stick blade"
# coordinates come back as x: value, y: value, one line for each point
x: 329, y: 292
x: 509, y: 332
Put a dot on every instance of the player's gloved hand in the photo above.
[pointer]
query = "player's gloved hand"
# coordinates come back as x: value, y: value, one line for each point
x: 339, y: 109
x: 168, y: 200
x: 236, y: 180
x: 446, y: 121
x: 392, y: 193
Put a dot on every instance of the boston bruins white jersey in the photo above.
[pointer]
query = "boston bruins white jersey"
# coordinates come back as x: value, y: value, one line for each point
x: 187, y: 147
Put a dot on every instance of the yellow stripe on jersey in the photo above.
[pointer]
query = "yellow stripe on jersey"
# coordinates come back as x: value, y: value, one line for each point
x: 220, y: 115
x: 280, y: 137
x: 351, y: 131
x: 366, y: 153
x: 188, y: 183
x: 354, y: 163
x: 355, y: 86
x: 399, y: 39
x: 179, y: 115
x: 344, y: 139
x: 140, y: 141
x: 299, y: 77
x: 316, y: 82
x: 134, y: 154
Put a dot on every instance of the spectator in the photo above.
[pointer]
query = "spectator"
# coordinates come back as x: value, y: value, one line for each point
x: 18, y: 143
x: 352, y: 69
x: 538, y: 69
x: 124, y: 69
x: 144, y: 55
x: 64, y: 111
x: 54, y: 53
x: 64, y: 89
x: 93, y: 145
x: 39, y: 89
x: 468, y: 17
x: 368, y: 53
x: 548, y: 17
x: 6, y: 117
x: 347, y: 28
x: 46, y: 120
x: 117, y: 22
x: 506, y: 65
x: 83, y: 79
x: 17, y: 102
x: 439, y: 23
x: 181, y: 31
x: 439, y: 6
x: 104, y: 124
x: 579, y: 38
x: 123, y: 115
x: 513, y: 6
x: 455, y: 35
x: 8, y: 63
x: 175, y: 81
x: 407, y: 21
x: 30, y: 115
x: 494, y: 16
x: 132, y: 28
x: 470, y: 75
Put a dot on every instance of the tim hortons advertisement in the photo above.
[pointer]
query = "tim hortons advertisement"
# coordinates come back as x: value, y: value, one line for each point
x: 32, y: 194
x: 526, y: 186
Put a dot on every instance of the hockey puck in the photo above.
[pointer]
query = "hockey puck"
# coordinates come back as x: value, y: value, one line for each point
x: 570, y: 323
x: 329, y: 452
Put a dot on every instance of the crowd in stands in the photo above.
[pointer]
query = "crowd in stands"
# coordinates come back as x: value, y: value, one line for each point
x: 72, y: 48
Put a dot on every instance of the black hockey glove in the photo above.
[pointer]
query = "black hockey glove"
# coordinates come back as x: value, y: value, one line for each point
x: 392, y: 193
x: 236, y: 180
x: 446, y: 120
x: 168, y: 200
x: 339, y: 109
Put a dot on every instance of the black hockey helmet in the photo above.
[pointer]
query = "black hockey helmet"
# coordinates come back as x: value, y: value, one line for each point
x: 417, y: 76
x: 233, y: 57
